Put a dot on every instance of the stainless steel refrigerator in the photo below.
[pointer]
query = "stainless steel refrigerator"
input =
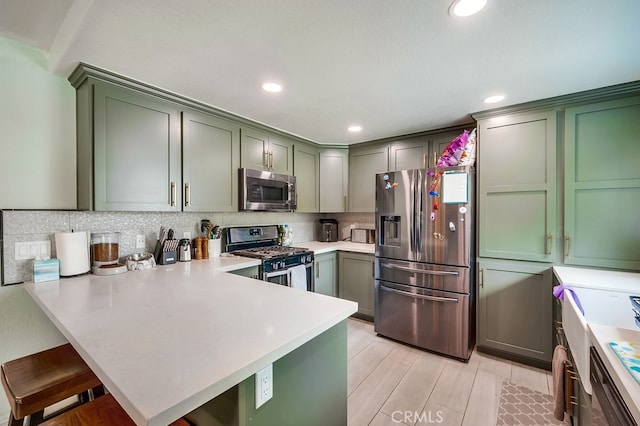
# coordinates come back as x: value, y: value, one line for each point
x: 425, y: 258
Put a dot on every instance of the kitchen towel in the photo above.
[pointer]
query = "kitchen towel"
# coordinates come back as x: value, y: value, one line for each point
x: 299, y: 277
x: 72, y: 250
x: 559, y: 363
x: 558, y: 292
x: 629, y: 354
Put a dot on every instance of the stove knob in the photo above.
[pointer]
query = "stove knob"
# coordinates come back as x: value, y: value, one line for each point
x: 308, y: 258
x: 282, y: 265
x: 275, y: 266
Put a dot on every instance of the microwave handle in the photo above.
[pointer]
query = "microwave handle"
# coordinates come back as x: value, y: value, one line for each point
x: 290, y: 193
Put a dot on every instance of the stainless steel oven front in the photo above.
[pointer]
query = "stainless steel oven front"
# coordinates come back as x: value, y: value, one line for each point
x: 283, y: 276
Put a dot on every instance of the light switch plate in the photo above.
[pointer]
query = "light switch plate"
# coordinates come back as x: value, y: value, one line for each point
x: 264, y: 385
x: 25, y: 250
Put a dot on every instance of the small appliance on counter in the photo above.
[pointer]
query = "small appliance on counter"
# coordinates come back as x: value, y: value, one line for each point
x: 184, y: 250
x: 72, y: 250
x: 328, y: 230
x: 105, y: 251
x: 362, y: 235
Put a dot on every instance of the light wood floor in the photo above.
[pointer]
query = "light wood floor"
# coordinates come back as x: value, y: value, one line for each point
x: 390, y: 384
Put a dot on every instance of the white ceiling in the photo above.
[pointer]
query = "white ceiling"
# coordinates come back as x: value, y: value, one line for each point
x: 393, y: 66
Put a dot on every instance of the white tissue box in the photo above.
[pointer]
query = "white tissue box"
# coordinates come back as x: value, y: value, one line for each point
x: 46, y: 270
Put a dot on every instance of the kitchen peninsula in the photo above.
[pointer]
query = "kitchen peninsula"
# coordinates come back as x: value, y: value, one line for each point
x: 168, y: 340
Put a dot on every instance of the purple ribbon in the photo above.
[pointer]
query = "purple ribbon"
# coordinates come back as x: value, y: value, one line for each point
x: 558, y: 292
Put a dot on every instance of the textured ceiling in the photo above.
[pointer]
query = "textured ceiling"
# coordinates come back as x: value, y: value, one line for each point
x: 393, y: 66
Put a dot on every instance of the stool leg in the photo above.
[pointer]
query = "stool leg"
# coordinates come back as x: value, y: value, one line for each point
x: 98, y: 391
x: 36, y: 418
x: 15, y: 422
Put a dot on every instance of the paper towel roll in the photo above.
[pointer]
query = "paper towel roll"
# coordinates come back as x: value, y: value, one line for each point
x: 72, y: 250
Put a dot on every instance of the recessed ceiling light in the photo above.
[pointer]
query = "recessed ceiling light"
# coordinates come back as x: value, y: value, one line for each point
x: 354, y: 128
x: 272, y: 87
x: 464, y: 8
x: 494, y: 99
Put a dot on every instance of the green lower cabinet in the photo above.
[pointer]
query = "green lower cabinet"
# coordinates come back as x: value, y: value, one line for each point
x: 250, y: 272
x: 326, y: 270
x: 515, y: 305
x: 309, y: 388
x: 356, y: 281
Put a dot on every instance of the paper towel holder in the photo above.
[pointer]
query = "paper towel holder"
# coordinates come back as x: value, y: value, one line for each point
x: 72, y: 250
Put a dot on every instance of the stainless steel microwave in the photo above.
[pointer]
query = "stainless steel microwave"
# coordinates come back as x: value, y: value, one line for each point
x: 266, y: 191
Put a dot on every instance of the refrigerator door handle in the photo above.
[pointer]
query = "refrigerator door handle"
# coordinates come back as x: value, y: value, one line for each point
x: 419, y: 271
x: 420, y: 296
x: 416, y: 232
x: 412, y: 231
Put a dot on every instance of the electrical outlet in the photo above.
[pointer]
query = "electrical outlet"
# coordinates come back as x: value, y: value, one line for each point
x: 264, y: 385
x: 140, y: 241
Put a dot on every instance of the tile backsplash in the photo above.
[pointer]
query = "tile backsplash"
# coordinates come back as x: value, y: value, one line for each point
x: 41, y: 225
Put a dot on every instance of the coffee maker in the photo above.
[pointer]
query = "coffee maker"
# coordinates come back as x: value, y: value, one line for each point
x: 328, y: 230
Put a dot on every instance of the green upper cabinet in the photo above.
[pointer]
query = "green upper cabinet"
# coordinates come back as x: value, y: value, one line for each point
x: 602, y: 184
x: 261, y: 150
x: 422, y: 151
x: 210, y: 161
x: 136, y: 152
x: 364, y: 163
x: 517, y: 186
x: 409, y: 154
x: 334, y: 179
x: 307, y: 172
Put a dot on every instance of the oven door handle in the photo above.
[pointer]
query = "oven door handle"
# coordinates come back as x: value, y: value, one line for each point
x: 419, y: 296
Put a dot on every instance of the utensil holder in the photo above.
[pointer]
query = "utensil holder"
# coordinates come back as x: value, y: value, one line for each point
x: 215, y: 247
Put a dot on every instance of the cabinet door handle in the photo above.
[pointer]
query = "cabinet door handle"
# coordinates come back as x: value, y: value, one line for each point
x: 187, y: 194
x: 344, y: 201
x: 424, y: 161
x: 549, y: 244
x: 567, y: 254
x: 317, y: 270
x: 265, y: 159
x: 173, y: 194
x: 271, y: 159
x: 481, y: 278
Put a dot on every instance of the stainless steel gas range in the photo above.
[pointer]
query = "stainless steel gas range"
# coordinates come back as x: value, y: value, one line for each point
x: 288, y: 266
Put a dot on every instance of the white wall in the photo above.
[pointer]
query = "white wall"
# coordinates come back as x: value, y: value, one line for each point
x: 37, y: 132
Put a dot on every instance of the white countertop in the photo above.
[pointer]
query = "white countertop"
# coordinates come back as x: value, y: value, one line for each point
x: 598, y: 278
x: 608, y: 318
x: 165, y: 341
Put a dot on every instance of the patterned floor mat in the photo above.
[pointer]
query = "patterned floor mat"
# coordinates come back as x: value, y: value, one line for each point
x: 525, y: 407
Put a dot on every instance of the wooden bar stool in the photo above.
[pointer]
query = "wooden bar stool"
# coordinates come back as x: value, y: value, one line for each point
x: 103, y: 411
x: 42, y: 379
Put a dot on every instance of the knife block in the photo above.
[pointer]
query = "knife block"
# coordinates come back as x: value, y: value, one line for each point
x: 164, y: 257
